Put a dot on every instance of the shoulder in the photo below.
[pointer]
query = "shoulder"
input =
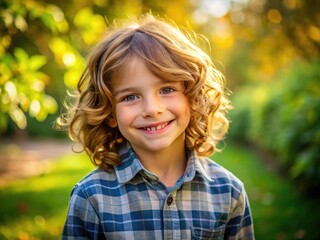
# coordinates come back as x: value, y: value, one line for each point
x: 97, y: 181
x: 222, y: 177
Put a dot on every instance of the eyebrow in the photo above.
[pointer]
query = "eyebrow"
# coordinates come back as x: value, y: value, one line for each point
x: 124, y: 90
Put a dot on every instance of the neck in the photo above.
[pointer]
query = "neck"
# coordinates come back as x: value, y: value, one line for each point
x: 168, y: 165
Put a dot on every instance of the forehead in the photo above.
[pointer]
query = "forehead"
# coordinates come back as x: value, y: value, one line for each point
x: 133, y: 68
x: 156, y: 57
x: 130, y: 66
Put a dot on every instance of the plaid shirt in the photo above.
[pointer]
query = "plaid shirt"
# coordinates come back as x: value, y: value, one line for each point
x: 207, y: 202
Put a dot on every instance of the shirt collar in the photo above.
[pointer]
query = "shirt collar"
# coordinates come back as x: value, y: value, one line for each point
x: 194, y: 166
x: 130, y: 166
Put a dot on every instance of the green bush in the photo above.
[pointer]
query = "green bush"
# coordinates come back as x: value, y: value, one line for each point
x: 283, y: 117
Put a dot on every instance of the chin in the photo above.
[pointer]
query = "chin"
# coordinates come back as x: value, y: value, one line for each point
x: 156, y: 147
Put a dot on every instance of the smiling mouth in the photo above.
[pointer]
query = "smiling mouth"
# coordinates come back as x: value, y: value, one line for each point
x: 155, y: 128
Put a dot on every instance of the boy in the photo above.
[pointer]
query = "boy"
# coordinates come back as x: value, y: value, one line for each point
x: 151, y: 108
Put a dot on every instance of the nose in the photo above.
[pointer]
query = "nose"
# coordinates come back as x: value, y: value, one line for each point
x: 152, y: 106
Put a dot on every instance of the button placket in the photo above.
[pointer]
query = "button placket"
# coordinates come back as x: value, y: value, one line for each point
x: 171, y: 218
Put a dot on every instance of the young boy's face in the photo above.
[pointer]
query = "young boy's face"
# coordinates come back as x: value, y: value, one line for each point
x: 151, y: 114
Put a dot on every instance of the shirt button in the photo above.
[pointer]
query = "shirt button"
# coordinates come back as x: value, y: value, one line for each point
x: 169, y: 200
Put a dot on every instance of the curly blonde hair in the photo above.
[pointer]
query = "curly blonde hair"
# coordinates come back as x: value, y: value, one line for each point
x: 169, y: 53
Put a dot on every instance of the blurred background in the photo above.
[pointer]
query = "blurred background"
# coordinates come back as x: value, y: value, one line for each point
x: 267, y: 49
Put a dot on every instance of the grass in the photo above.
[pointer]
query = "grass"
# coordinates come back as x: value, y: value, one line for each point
x: 279, y: 212
x: 35, y: 208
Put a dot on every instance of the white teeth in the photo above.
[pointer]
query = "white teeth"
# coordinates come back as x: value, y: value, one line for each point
x: 156, y: 127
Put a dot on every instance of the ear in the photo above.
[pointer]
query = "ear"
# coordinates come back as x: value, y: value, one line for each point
x: 112, y: 121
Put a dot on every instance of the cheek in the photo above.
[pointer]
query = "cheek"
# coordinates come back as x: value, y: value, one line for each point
x: 124, y: 116
x: 122, y: 121
x: 120, y: 116
x: 181, y: 106
x: 187, y: 113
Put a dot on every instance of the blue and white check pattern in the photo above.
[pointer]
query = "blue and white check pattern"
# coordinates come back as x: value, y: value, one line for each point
x: 207, y: 202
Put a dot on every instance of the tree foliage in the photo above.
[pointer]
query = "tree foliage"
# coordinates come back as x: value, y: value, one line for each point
x: 283, y: 117
x: 256, y: 39
x: 22, y: 82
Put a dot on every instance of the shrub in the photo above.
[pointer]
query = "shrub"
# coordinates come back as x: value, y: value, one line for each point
x: 283, y: 116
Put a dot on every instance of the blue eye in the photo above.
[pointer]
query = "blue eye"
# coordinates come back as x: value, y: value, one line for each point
x: 130, y: 98
x: 166, y: 90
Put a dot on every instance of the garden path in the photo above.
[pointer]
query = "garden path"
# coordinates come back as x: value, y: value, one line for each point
x: 28, y: 157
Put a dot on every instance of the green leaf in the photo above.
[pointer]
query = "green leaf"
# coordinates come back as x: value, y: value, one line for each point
x: 50, y: 104
x: 48, y: 21
x: 8, y: 60
x: 41, y: 116
x: 22, y: 58
x: 35, y: 108
x: 37, y: 61
x: 18, y: 117
x: 21, y: 54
